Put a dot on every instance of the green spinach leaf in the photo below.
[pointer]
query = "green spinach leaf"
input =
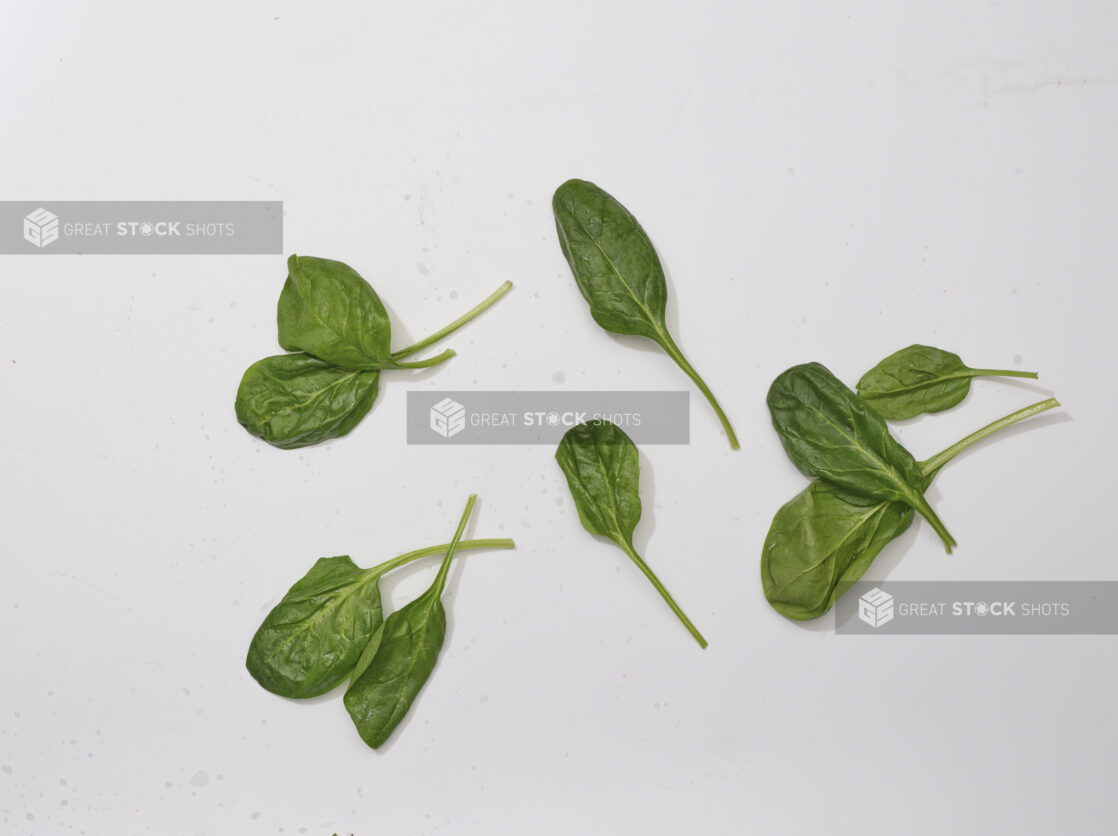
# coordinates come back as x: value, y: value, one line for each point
x: 921, y: 379
x: 829, y: 432
x: 312, y: 639
x: 603, y: 473
x: 327, y: 310
x: 820, y: 542
x: 295, y: 400
x: 618, y: 272
x: 408, y: 647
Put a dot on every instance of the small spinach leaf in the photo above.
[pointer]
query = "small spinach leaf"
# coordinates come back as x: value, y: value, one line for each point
x: 295, y: 400
x: 921, y: 379
x: 408, y: 647
x: 618, y: 272
x: 603, y: 473
x: 327, y: 310
x: 829, y: 432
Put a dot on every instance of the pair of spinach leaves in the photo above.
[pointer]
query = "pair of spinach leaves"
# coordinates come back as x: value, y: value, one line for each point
x: 603, y: 473
x: 866, y: 485
x: 341, y: 335
x: 620, y: 276
x: 329, y: 627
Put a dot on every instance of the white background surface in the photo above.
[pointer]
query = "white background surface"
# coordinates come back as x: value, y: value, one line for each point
x: 824, y: 182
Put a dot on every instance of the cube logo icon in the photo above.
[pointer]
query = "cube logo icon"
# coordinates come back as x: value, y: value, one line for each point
x: 876, y: 607
x: 40, y: 227
x: 448, y: 418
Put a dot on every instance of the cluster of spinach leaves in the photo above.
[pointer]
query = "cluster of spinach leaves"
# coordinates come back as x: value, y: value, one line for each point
x: 340, y: 335
x: 866, y: 485
x: 603, y: 474
x: 329, y: 627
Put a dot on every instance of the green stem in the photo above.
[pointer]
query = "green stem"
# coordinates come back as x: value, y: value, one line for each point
x: 424, y: 364
x: 1002, y: 373
x: 648, y: 573
x: 673, y: 351
x: 444, y: 569
x: 454, y: 326
x: 932, y: 465
x: 917, y: 501
x: 465, y: 545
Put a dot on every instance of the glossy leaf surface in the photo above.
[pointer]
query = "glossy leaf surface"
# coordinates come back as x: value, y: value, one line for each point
x: 818, y: 540
x: 328, y: 311
x: 613, y: 261
x: 408, y: 646
x: 830, y: 433
x: 921, y: 379
x: 618, y: 272
x: 294, y: 400
x: 313, y: 637
x: 603, y: 474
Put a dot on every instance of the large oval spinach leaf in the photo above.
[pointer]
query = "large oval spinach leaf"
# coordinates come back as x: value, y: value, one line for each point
x: 618, y: 272
x: 830, y: 433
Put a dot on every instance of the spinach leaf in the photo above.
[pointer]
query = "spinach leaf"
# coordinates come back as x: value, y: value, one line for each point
x: 407, y: 649
x: 829, y: 432
x: 820, y: 541
x: 327, y: 310
x: 294, y: 400
x: 312, y: 639
x: 921, y: 379
x: 603, y: 474
x: 618, y: 272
